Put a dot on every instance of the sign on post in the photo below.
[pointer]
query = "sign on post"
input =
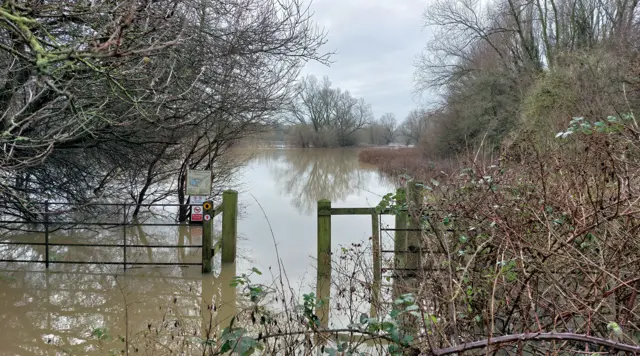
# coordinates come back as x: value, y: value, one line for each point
x: 196, y: 213
x: 196, y: 207
x: 198, y: 182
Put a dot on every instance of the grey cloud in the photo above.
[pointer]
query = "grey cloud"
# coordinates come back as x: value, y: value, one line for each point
x: 376, y: 43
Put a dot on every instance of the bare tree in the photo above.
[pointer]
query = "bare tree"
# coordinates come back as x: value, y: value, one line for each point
x: 315, y: 103
x: 415, y: 126
x: 349, y: 115
x: 330, y: 113
x: 388, y: 125
x: 98, y: 91
x: 384, y: 130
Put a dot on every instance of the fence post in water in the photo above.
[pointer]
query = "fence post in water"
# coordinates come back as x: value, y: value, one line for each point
x: 46, y: 234
x: 323, y: 283
x: 377, y: 271
x: 229, y: 225
x: 124, y: 235
x: 207, y: 236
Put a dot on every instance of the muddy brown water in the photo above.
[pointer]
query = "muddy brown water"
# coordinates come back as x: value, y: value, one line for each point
x: 89, y: 309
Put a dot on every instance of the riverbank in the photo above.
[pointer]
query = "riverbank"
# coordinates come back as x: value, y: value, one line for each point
x: 404, y: 161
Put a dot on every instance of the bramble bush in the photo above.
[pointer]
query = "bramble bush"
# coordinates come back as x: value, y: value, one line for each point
x: 543, y: 244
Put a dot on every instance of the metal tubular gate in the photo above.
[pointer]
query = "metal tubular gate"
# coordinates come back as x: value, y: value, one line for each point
x: 125, y: 223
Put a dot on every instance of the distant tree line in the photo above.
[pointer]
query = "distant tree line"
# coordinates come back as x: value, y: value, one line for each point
x: 107, y: 101
x: 323, y: 116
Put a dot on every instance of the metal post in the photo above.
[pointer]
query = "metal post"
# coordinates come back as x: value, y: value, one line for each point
x: 46, y: 234
x: 124, y: 235
x: 207, y: 236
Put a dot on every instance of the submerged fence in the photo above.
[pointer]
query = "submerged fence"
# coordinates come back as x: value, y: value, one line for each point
x: 227, y: 244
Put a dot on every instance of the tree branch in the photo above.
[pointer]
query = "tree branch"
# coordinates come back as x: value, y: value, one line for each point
x: 536, y: 337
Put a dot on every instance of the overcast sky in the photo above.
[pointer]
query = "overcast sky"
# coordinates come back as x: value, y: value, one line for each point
x: 376, y: 43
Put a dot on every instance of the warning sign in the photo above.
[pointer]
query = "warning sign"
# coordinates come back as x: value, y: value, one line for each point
x: 207, y: 217
x: 196, y: 213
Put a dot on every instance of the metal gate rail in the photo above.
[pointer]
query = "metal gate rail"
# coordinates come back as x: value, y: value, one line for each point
x: 124, y: 245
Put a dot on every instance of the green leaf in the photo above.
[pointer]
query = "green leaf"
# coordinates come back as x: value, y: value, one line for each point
x: 393, y: 349
x: 245, y: 346
x: 257, y: 271
x: 388, y: 326
x: 407, y: 339
x: 411, y: 307
x: 364, y: 318
x: 615, y: 328
x: 331, y: 351
x: 226, y: 347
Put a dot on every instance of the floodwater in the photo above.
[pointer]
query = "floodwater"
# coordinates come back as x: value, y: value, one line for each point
x: 73, y: 309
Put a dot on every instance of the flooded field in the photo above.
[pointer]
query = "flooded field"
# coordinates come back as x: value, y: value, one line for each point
x: 99, y: 308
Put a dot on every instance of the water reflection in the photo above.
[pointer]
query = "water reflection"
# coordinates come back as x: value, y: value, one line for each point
x: 90, y: 313
x: 306, y: 176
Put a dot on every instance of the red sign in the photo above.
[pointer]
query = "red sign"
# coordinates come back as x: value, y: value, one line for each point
x: 196, y: 213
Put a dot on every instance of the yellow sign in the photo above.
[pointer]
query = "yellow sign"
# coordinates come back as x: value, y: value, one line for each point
x: 206, y: 205
x: 198, y: 182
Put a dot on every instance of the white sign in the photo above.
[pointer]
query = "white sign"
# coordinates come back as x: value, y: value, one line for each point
x: 196, y: 213
x: 207, y: 217
x: 197, y: 199
x: 198, y: 182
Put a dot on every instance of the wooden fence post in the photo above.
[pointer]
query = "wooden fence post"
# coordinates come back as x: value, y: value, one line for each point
x: 207, y: 236
x: 377, y: 271
x: 399, y: 248
x: 414, y: 248
x: 229, y: 225
x: 414, y: 237
x: 400, y: 236
x: 323, y: 283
